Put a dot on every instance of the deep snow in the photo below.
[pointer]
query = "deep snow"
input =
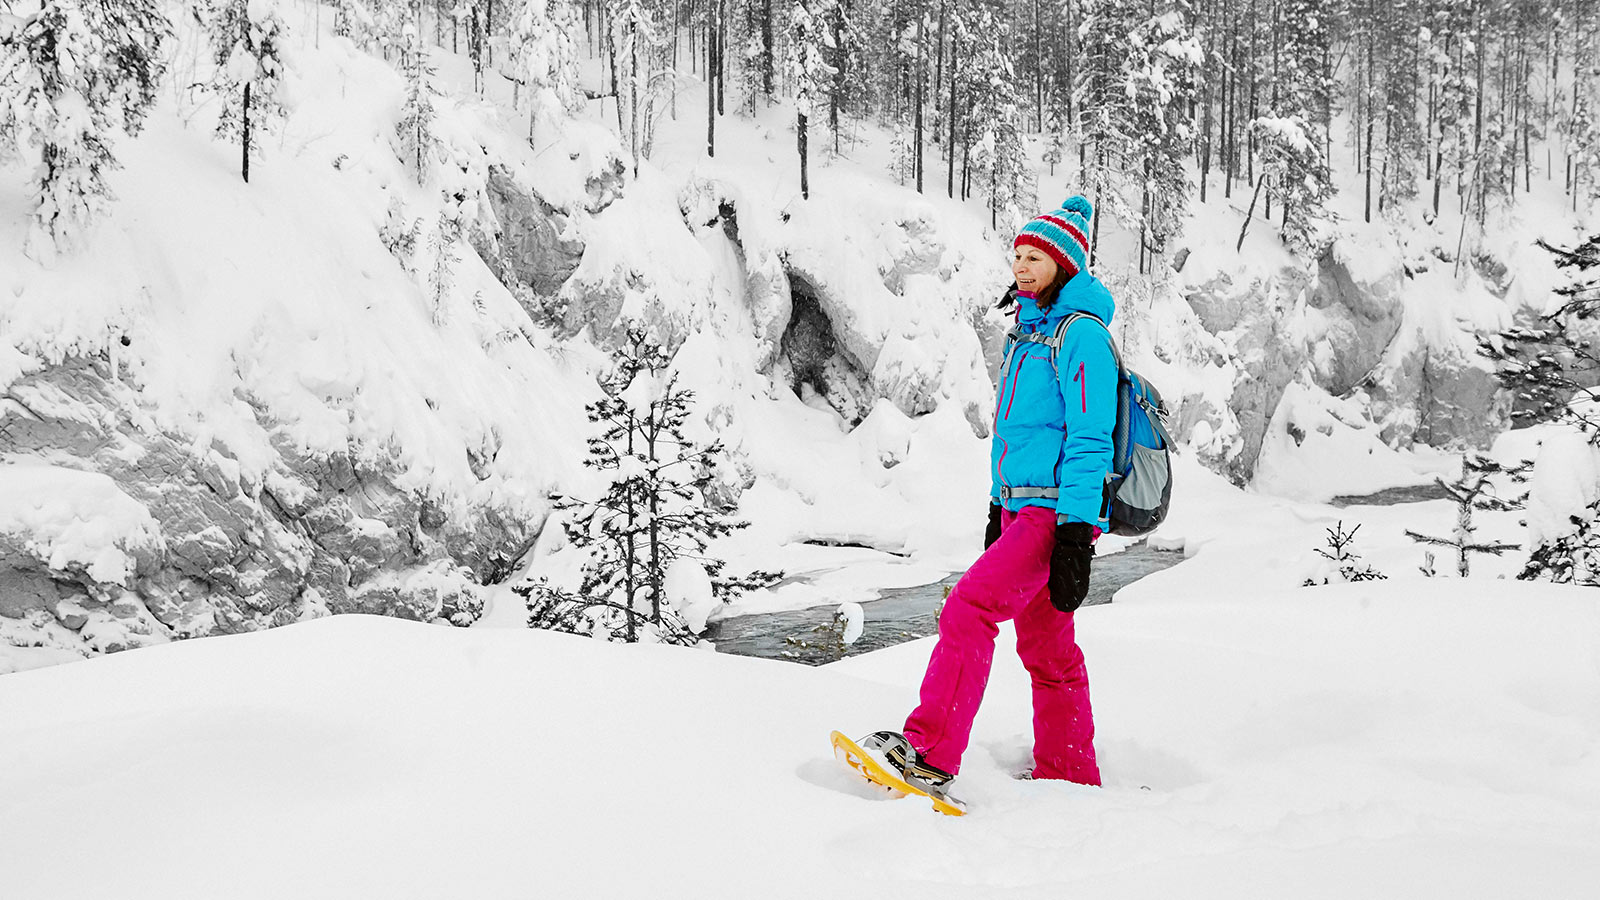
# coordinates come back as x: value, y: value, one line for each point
x: 1401, y: 738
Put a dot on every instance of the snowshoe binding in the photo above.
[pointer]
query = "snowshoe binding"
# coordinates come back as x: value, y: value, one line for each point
x: 888, y: 760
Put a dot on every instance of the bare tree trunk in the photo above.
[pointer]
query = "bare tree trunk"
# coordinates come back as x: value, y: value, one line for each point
x: 800, y: 135
x: 711, y: 89
x: 920, y: 75
x: 950, y: 146
x: 244, y: 164
x: 1247, y: 216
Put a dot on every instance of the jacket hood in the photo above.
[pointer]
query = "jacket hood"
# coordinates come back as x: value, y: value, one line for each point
x: 1084, y: 293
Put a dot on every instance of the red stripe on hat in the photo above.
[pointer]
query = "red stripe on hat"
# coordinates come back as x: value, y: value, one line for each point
x: 1051, y: 250
x: 1069, y: 228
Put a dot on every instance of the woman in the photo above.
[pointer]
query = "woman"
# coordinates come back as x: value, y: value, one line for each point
x: 1048, y: 461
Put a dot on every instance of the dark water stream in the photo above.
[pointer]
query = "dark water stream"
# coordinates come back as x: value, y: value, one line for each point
x: 901, y: 614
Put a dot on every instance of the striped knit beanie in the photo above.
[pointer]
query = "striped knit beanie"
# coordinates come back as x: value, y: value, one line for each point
x: 1063, y: 234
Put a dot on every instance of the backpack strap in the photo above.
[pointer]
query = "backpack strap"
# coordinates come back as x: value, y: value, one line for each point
x: 1060, y: 337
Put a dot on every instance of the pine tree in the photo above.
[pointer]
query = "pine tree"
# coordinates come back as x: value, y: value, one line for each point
x: 633, y: 38
x: 1475, y: 490
x: 441, y: 268
x: 1161, y: 72
x: 651, y: 514
x: 246, y: 40
x: 843, y: 50
x: 75, y: 75
x: 1573, y: 558
x: 1296, y: 129
x: 415, y: 128
x: 1104, y: 106
x: 543, y: 56
x: 994, y: 125
x: 1547, y: 365
x: 808, y: 70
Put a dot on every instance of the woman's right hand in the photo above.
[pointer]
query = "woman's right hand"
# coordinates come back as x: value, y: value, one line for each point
x: 991, y: 532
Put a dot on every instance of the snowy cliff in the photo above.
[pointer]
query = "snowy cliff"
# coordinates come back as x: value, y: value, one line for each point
x: 344, y: 387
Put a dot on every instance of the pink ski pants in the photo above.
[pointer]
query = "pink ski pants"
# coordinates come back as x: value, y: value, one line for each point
x: 1009, y: 581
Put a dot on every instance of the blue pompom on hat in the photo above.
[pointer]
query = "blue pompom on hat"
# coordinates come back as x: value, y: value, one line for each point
x: 1063, y: 234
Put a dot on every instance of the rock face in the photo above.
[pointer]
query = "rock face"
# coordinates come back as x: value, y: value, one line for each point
x: 1342, y: 324
x: 225, y: 553
x: 534, y: 248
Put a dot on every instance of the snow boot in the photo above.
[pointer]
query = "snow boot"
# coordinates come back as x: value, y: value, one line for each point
x: 904, y: 760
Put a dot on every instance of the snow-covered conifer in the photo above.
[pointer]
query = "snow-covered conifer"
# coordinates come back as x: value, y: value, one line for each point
x: 652, y: 513
x: 633, y: 40
x: 1476, y: 490
x: 807, y: 68
x: 74, y: 76
x: 1161, y: 72
x: 441, y: 265
x: 543, y: 53
x: 246, y: 41
x: 844, y: 49
x: 1105, y: 113
x: 999, y: 159
x: 1301, y: 104
x: 415, y: 128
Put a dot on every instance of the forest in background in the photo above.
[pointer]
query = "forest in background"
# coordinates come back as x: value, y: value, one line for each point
x: 1430, y: 103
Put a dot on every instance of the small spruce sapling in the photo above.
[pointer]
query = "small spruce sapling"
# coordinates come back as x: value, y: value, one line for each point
x: 1348, y: 561
x: 1475, y: 490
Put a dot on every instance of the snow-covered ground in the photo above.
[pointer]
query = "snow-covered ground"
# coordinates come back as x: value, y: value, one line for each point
x: 1400, y: 738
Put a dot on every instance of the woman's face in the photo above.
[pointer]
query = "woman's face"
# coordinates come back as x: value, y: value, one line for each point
x: 1033, y: 269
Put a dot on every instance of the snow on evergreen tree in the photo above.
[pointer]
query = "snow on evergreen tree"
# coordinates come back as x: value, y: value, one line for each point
x: 1105, y: 116
x: 844, y: 49
x: 543, y: 55
x: 752, y: 31
x: 999, y: 156
x: 1161, y: 72
x: 1550, y: 368
x: 246, y: 39
x: 1402, y: 132
x: 441, y: 265
x: 1582, y: 126
x: 1340, y: 559
x: 355, y: 20
x: 74, y: 76
x: 651, y: 515
x: 1288, y: 156
x: 807, y: 67
x: 415, y: 128
x: 1476, y: 490
x: 633, y: 39
x: 1297, y: 128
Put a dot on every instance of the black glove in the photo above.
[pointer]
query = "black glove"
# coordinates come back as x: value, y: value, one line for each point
x: 992, y: 532
x: 1069, y: 565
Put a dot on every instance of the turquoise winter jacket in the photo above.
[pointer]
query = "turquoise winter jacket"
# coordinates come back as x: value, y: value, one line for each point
x: 1052, y: 426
